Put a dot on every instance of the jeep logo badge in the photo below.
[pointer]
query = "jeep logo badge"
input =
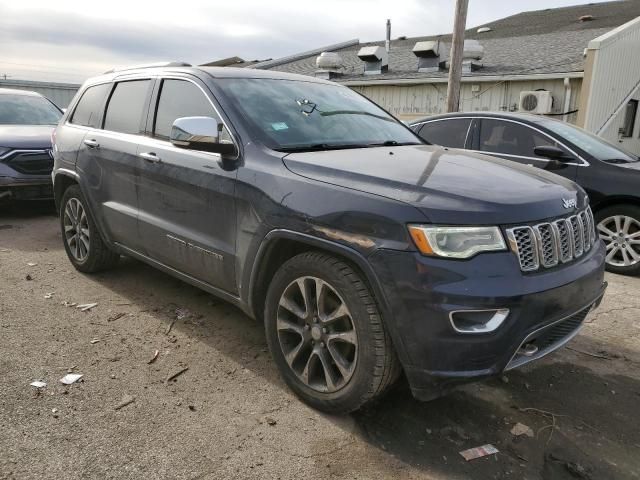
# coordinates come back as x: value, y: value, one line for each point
x: 569, y: 203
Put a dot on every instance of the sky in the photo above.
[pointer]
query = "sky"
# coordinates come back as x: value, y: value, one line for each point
x: 70, y: 40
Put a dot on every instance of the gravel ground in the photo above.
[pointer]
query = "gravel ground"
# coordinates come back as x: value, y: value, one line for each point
x: 228, y: 414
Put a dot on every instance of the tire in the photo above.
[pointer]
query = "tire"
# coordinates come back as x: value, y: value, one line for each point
x: 84, y: 246
x: 619, y: 228
x: 348, y: 364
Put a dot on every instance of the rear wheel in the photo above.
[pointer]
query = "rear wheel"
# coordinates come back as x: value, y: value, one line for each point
x: 619, y: 228
x: 326, y: 334
x: 82, y: 242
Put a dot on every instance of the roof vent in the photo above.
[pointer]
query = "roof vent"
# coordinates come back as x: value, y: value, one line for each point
x: 376, y: 60
x: 402, y: 37
x: 428, y: 54
x: 328, y: 65
x: 483, y: 30
x: 585, y: 18
x: 472, y: 51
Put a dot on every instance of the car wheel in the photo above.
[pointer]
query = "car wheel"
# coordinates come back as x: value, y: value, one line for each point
x: 82, y: 241
x: 619, y: 228
x: 326, y: 334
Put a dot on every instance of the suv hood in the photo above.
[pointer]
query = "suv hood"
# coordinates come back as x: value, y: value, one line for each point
x: 448, y: 186
x: 26, y: 136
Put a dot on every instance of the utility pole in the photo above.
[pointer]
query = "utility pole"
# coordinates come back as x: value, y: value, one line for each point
x: 455, y: 58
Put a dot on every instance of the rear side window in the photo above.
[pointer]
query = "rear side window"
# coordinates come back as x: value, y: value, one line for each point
x: 180, y: 98
x: 89, y: 108
x: 126, y: 106
x: 447, y: 133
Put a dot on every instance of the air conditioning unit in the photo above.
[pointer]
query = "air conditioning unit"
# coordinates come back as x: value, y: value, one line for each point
x: 539, y: 102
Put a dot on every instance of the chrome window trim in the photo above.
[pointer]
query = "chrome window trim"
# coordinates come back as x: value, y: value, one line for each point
x: 163, y: 143
x: 13, y: 152
x: 584, y: 163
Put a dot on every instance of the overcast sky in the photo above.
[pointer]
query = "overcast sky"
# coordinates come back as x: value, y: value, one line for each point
x: 66, y: 41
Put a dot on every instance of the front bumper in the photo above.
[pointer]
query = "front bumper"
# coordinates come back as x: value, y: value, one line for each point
x: 545, y: 308
x: 26, y: 176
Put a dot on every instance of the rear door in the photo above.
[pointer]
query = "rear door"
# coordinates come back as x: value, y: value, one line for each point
x: 516, y: 141
x: 187, y: 206
x: 108, y: 160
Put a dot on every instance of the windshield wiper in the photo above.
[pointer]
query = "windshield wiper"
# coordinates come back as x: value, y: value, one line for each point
x: 315, y: 147
x: 393, y: 143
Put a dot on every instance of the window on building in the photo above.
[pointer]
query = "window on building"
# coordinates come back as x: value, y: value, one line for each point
x: 180, y: 98
x: 630, y: 114
x: 446, y: 133
x: 509, y: 138
x: 126, y: 106
x: 89, y: 108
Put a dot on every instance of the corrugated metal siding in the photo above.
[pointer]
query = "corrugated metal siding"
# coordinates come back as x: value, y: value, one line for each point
x: 59, y: 93
x: 615, y: 79
x: 413, y: 101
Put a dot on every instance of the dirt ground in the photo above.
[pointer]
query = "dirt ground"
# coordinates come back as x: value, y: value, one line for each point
x: 230, y: 416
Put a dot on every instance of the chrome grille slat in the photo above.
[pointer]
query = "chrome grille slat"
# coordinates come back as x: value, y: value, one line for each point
x: 547, y: 244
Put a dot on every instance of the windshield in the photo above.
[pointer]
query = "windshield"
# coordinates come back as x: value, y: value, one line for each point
x: 292, y: 115
x: 16, y: 109
x: 590, y: 143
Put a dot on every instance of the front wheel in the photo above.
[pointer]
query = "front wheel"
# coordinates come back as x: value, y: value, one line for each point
x: 619, y: 228
x: 326, y: 334
x: 85, y: 248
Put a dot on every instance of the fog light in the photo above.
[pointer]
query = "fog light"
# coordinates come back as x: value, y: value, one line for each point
x: 478, y: 321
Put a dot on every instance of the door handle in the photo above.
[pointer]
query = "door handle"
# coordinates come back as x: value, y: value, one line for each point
x: 91, y: 143
x: 150, y: 157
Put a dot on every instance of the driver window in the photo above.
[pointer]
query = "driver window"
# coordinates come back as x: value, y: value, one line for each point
x: 179, y: 98
x: 509, y: 138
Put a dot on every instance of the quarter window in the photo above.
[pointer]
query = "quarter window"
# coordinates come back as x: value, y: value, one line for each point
x: 447, y: 133
x: 89, y: 108
x: 126, y: 106
x: 509, y: 138
x: 180, y: 98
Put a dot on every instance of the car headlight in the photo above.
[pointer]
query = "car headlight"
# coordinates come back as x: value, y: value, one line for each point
x: 456, y: 242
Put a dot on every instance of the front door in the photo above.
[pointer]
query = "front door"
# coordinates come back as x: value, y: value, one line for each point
x: 187, y: 212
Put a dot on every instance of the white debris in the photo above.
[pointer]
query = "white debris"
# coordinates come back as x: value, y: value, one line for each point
x: 49, y: 295
x: 69, y: 304
x: 38, y: 384
x: 86, y: 306
x: 32, y: 264
x: 94, y: 341
x: 70, y: 378
x: 477, y: 452
x: 521, y: 429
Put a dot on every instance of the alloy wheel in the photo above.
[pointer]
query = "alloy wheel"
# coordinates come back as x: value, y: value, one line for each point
x: 316, y: 334
x: 76, y: 229
x: 621, y: 235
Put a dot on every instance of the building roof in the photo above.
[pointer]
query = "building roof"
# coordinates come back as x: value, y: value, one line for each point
x: 550, y: 41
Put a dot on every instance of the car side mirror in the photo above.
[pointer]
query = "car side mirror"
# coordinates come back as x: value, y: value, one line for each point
x: 554, y: 153
x: 200, y: 133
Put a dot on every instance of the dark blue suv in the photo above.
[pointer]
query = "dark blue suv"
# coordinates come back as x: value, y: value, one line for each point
x: 365, y: 252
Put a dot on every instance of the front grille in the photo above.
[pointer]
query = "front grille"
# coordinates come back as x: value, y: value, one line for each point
x: 31, y: 163
x: 547, y: 244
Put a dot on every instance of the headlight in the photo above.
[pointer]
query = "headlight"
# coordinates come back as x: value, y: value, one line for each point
x: 456, y: 242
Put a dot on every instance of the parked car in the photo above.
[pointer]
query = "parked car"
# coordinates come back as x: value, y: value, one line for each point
x: 610, y: 176
x: 26, y: 122
x: 363, y: 251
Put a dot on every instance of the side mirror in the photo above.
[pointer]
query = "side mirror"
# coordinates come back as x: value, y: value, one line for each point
x: 553, y: 153
x: 200, y: 133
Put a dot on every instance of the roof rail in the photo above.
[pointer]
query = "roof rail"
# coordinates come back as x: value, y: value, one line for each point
x: 149, y: 65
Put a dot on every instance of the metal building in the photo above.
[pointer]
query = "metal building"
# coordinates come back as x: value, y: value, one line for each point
x: 59, y: 93
x: 580, y: 64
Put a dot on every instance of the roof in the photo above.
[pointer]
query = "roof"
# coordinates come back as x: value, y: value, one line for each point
x: 508, y: 115
x: 550, y: 41
x: 15, y: 91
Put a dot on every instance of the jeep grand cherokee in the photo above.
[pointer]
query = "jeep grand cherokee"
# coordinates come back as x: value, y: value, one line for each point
x: 364, y: 252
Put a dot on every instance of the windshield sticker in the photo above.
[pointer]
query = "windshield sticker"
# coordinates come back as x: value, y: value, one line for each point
x: 279, y: 126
